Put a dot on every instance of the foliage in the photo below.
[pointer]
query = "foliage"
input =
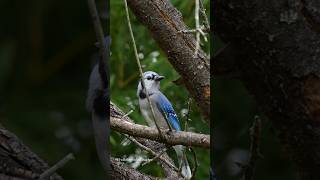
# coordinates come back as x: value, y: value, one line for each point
x: 125, y: 75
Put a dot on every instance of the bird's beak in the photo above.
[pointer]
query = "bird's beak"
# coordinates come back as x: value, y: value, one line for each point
x: 159, y: 78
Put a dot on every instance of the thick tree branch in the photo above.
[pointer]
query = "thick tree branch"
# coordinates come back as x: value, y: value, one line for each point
x: 6, y: 177
x: 122, y: 171
x: 19, y: 160
x: 279, y: 64
x: 166, y: 24
x: 170, y: 173
x: 171, y: 137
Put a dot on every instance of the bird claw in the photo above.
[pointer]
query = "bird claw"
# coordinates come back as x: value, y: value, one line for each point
x: 169, y: 132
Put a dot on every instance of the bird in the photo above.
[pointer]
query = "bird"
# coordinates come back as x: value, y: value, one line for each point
x: 164, y: 113
x: 97, y: 103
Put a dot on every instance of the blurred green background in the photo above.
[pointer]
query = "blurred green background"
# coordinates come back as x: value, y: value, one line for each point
x: 46, y: 55
x: 234, y: 109
x: 124, y: 80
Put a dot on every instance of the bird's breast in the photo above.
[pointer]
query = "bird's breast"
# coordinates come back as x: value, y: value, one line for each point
x: 148, y: 116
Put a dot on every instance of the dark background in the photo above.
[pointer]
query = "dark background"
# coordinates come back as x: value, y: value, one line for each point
x: 234, y: 109
x: 46, y: 50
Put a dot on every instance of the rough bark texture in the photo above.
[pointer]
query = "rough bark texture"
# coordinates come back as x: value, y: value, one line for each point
x: 172, y: 138
x: 121, y: 171
x: 164, y: 22
x: 276, y: 47
x: 17, y: 161
x: 170, y: 174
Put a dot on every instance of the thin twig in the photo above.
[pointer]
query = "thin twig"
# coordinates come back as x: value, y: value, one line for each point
x: 196, y: 17
x: 140, y: 69
x: 255, y: 132
x: 103, y: 62
x: 131, y: 111
x: 188, y: 114
x: 203, y: 31
x: 55, y: 167
x: 97, y: 24
x: 156, y: 157
x: 152, y: 152
x: 204, y: 16
x: 199, y: 30
x: 196, y: 163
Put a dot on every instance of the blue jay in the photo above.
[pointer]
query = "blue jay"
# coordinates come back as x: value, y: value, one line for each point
x: 98, y: 105
x: 164, y: 113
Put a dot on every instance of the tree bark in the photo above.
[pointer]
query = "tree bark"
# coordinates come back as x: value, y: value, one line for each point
x: 276, y: 49
x: 171, y: 138
x: 17, y: 161
x: 170, y: 174
x: 123, y: 172
x: 165, y: 23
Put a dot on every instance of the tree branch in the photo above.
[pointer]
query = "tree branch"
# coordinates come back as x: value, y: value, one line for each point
x: 166, y: 24
x: 122, y: 171
x: 155, y: 146
x: 15, y: 155
x: 55, y: 167
x: 102, y: 42
x: 140, y: 68
x: 152, y: 152
x: 6, y: 177
x: 172, y: 138
x: 255, y: 133
x: 169, y: 172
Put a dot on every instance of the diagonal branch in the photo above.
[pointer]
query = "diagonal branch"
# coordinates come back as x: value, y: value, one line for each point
x: 54, y: 168
x: 121, y: 171
x: 152, y: 152
x: 140, y: 68
x: 154, y: 146
x: 166, y: 24
x: 16, y: 155
x: 255, y: 133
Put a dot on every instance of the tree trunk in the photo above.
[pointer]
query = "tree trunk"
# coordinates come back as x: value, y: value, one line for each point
x: 17, y: 161
x: 276, y: 48
x: 165, y: 23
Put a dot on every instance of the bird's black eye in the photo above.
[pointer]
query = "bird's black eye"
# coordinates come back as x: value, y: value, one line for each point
x: 148, y: 77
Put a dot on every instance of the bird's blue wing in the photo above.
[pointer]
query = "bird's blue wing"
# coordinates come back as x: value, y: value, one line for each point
x: 167, y: 111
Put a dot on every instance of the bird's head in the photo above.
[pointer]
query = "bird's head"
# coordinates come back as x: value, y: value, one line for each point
x: 151, y: 81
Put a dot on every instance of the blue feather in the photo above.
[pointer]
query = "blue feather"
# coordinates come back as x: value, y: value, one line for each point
x: 167, y: 111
